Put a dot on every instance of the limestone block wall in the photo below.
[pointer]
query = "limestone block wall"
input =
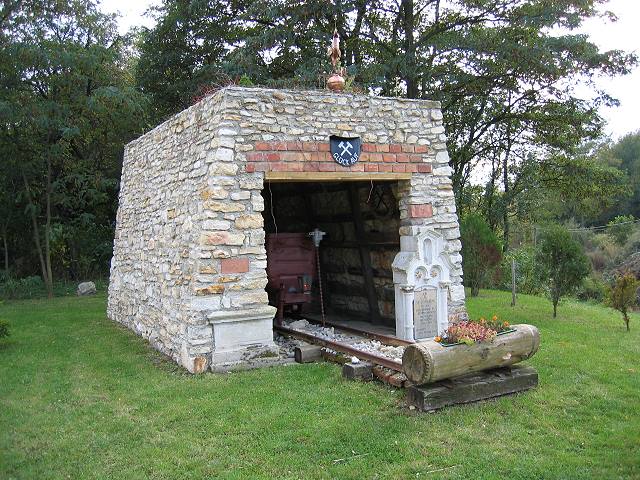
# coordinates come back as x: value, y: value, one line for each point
x: 188, y: 271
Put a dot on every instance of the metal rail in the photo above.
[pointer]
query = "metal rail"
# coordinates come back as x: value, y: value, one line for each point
x: 340, y: 347
x: 386, y: 339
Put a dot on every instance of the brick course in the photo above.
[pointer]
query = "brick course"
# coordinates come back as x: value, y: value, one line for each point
x: 316, y: 157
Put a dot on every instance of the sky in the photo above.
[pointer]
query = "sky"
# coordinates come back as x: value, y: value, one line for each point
x: 621, y: 35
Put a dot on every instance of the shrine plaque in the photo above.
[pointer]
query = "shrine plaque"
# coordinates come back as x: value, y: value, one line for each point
x: 425, y: 314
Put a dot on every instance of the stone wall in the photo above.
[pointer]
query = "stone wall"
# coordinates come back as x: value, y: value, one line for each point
x: 188, y: 271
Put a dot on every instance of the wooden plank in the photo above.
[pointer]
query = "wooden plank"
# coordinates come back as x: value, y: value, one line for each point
x: 346, y: 244
x: 333, y: 176
x: 365, y: 255
x: 472, y: 388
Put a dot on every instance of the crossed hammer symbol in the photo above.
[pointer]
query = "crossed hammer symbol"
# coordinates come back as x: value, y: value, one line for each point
x: 345, y: 146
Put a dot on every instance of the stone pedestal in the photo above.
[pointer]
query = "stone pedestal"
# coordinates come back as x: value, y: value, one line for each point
x: 242, y: 335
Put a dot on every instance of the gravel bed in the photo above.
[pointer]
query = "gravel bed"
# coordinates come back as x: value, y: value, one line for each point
x: 355, y: 341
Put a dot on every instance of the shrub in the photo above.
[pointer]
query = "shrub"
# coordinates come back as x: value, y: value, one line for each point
x: 592, y: 288
x: 4, y: 329
x: 607, y: 252
x: 621, y: 295
x: 28, y: 287
x: 481, y: 252
x: 621, y: 227
x: 564, y: 264
x: 245, y: 81
x: 632, y: 244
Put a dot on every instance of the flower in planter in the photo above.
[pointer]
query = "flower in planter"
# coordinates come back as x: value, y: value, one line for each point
x: 468, y: 332
x: 495, y: 323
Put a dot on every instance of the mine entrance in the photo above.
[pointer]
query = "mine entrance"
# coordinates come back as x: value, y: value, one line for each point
x: 351, y: 269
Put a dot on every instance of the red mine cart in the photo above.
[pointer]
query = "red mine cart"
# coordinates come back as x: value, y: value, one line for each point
x: 291, y: 271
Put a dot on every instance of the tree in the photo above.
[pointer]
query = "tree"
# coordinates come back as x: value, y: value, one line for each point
x: 504, y: 75
x: 562, y: 261
x: 622, y: 295
x: 625, y: 156
x: 480, y: 252
x: 68, y: 105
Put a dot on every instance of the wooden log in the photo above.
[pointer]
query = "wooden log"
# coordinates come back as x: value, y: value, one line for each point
x: 357, y: 371
x: 430, y: 361
x: 307, y: 354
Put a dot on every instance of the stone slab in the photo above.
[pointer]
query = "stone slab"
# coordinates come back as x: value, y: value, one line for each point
x: 252, y: 365
x: 472, y: 388
x: 357, y: 371
x: 425, y: 314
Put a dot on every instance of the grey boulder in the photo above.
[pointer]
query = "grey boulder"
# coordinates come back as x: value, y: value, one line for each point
x: 86, y: 288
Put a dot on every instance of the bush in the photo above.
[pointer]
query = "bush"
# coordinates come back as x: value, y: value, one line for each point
x: 529, y: 279
x: 481, y: 252
x: 564, y: 264
x: 245, y: 81
x: 4, y: 329
x: 621, y: 227
x: 592, y: 289
x: 28, y: 287
x: 621, y: 295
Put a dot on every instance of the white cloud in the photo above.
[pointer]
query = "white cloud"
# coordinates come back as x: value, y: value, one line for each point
x: 131, y: 12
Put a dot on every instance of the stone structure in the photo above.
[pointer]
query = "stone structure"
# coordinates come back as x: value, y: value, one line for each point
x: 188, y: 271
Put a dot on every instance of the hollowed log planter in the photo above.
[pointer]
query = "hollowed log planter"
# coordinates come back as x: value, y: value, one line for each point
x: 430, y: 361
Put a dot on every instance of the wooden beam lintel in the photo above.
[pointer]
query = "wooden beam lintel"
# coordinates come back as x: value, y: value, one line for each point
x: 334, y: 176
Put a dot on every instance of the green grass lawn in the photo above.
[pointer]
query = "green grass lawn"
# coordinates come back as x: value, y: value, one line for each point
x: 81, y: 397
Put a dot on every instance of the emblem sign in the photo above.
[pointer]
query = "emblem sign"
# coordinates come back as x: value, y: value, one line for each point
x: 345, y: 151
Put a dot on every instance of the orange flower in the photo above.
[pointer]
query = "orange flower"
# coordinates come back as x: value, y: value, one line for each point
x: 494, y: 318
x: 438, y: 339
x: 506, y: 324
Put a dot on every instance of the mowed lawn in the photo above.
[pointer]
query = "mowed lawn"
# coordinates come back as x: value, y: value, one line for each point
x: 81, y: 397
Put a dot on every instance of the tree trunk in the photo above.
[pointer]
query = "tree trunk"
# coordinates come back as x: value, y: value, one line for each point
x: 626, y: 320
x: 428, y: 362
x: 47, y: 234
x: 34, y: 226
x: 555, y: 308
x: 408, y: 25
x: 505, y: 206
x: 6, y: 252
x: 506, y: 186
x: 5, y: 245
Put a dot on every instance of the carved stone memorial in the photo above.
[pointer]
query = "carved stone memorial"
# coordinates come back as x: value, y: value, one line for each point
x: 421, y: 274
